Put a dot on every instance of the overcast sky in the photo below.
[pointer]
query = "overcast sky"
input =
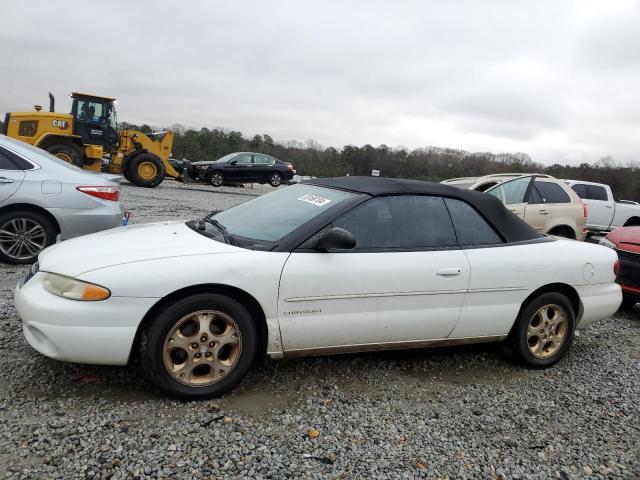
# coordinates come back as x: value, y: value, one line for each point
x: 559, y: 80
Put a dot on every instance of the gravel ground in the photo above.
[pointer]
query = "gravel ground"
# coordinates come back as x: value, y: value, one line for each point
x: 435, y: 413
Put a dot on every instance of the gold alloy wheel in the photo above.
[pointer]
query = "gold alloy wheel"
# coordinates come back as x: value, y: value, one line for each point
x: 147, y: 170
x: 202, y: 348
x: 547, y: 331
x: 64, y: 156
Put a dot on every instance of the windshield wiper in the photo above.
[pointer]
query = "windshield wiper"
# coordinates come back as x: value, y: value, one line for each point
x: 225, y: 234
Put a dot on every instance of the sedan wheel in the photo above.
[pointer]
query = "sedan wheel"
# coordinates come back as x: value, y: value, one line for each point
x: 23, y: 235
x: 199, y: 347
x: 275, y: 180
x: 217, y: 179
x: 543, y: 332
x: 202, y: 348
x: 547, y: 331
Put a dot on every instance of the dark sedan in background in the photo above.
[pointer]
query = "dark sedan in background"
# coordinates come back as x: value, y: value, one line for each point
x: 626, y: 242
x: 243, y: 167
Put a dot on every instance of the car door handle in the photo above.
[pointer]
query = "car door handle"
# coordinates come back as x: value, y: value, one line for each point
x: 543, y: 212
x: 6, y: 180
x: 608, y: 206
x: 447, y: 272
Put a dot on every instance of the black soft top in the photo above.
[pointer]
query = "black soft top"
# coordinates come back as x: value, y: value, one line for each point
x: 512, y: 228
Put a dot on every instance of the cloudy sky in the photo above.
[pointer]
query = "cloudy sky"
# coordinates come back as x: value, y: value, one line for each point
x: 559, y: 80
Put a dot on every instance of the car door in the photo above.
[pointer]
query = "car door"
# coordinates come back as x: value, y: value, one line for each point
x: 536, y: 212
x: 513, y: 193
x: 403, y: 283
x: 557, y: 207
x: 599, y: 207
x: 262, y: 167
x: 11, y: 175
x: 498, y: 276
x: 239, y: 168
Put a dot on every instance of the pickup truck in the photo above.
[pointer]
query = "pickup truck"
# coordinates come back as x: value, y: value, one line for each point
x: 603, y: 213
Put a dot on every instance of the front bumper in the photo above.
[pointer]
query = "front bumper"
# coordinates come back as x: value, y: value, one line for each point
x: 598, y: 302
x: 74, y: 331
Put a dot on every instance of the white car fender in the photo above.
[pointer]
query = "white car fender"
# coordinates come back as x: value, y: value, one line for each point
x: 254, y: 272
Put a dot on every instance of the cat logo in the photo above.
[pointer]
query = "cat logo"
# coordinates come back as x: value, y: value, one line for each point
x: 60, y: 124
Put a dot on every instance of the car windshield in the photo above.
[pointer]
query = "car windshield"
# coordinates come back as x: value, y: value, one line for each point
x: 226, y: 158
x: 272, y: 216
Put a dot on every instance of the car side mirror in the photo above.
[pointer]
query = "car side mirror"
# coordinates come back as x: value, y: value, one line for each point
x: 233, y: 162
x: 335, y: 239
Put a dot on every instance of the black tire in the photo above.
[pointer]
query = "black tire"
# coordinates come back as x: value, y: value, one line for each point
x: 275, y: 179
x: 216, y: 178
x: 142, y: 163
x: 68, y: 153
x: 44, y: 235
x: 564, y: 232
x: 628, y: 302
x: 517, y: 345
x: 154, y: 335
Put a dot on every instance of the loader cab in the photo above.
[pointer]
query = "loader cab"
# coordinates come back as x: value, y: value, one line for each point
x: 95, y: 120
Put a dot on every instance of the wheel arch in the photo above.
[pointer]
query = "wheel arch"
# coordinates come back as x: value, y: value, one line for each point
x: 17, y: 207
x: 563, y: 228
x: 246, y: 299
x: 53, y: 139
x: 632, y: 222
x: 563, y: 288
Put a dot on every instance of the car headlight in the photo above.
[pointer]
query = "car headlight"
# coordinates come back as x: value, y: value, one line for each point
x: 74, y: 289
x: 607, y: 243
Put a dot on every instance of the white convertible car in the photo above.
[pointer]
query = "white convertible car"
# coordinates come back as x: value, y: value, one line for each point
x: 328, y: 266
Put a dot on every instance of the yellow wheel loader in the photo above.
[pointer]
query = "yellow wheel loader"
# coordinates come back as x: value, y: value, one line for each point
x: 88, y: 138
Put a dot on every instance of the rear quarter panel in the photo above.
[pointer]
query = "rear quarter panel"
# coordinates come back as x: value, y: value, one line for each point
x: 623, y: 212
x: 502, y: 278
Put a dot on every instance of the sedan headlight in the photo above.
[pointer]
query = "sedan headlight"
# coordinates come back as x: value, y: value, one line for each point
x: 607, y: 243
x: 74, y: 289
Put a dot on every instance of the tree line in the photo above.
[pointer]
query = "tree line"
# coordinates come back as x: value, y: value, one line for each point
x: 425, y: 163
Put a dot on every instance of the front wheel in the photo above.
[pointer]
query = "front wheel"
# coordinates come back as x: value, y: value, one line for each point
x: 199, y: 347
x: 216, y: 179
x: 543, y: 332
x: 145, y: 170
x: 628, y: 302
x: 275, y: 180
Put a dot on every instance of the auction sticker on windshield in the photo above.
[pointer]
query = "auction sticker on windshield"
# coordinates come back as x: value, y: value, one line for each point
x: 316, y: 200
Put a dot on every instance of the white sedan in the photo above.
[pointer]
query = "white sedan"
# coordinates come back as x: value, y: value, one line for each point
x: 333, y: 265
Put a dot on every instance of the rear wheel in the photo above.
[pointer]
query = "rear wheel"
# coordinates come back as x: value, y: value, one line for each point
x: 145, y: 170
x: 564, y: 232
x: 23, y: 235
x: 199, y: 347
x: 543, y: 331
x: 275, y: 179
x: 68, y: 153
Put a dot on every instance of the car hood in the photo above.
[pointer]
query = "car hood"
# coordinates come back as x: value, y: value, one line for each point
x: 626, y: 238
x: 205, y: 162
x: 134, y: 243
